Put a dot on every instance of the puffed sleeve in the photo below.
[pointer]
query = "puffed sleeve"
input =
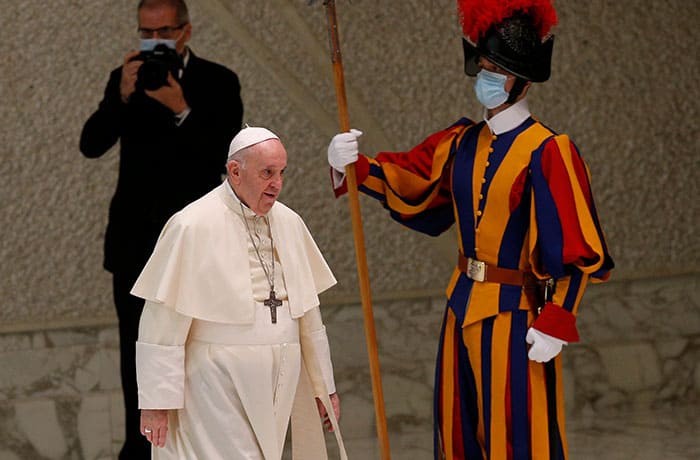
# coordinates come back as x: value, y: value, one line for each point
x: 566, y: 239
x: 413, y: 185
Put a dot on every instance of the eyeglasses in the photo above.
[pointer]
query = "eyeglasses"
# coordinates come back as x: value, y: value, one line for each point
x: 164, y: 32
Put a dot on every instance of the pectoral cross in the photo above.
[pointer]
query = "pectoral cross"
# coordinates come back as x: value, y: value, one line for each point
x: 273, y: 302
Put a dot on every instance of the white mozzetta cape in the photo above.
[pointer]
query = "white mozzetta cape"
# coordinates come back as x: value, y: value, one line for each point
x: 200, y: 266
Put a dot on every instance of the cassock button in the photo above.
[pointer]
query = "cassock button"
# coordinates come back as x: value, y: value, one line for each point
x: 478, y: 213
x: 490, y: 149
x: 481, y: 196
x: 483, y: 180
x: 494, y: 137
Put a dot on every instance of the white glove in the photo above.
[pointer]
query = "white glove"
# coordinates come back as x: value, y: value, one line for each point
x: 343, y: 149
x: 544, y: 347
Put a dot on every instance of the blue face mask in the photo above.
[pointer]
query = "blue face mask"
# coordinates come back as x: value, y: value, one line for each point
x: 149, y: 44
x: 490, y: 88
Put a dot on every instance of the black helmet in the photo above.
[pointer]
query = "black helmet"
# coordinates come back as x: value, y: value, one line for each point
x: 513, y: 34
x: 514, y: 45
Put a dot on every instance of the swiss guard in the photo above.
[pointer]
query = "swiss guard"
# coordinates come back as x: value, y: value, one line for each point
x: 529, y: 240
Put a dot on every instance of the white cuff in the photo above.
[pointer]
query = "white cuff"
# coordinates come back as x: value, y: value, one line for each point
x: 338, y: 178
x: 160, y: 374
x: 323, y: 354
x: 180, y: 117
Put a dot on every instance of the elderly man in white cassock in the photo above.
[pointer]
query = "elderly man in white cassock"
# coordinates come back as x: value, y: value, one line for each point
x: 231, y: 342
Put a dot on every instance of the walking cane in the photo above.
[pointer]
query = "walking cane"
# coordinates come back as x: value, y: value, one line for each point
x: 360, y: 255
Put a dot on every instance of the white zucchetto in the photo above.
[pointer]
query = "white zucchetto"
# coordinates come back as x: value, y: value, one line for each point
x: 250, y: 135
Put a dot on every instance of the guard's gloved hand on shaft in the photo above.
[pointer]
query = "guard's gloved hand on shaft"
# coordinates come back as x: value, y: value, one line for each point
x: 343, y: 150
x: 544, y: 347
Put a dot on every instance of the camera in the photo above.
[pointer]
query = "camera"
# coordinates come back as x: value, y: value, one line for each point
x: 153, y: 73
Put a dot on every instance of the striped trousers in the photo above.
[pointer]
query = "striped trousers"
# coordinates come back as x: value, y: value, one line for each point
x: 491, y: 401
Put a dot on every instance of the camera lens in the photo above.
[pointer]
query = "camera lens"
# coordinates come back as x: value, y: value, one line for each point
x: 152, y: 74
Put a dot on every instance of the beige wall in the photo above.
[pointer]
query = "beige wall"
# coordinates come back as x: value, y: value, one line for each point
x: 623, y: 86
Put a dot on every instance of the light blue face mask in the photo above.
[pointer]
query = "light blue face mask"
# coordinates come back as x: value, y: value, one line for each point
x: 490, y: 88
x: 149, y: 44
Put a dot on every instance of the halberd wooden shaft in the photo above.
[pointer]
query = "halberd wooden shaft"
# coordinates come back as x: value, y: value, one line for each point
x: 358, y: 235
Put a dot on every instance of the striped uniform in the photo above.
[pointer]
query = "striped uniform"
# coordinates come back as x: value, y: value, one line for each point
x: 520, y: 200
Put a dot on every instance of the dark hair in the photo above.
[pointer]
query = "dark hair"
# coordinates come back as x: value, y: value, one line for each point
x: 516, y: 90
x: 183, y: 16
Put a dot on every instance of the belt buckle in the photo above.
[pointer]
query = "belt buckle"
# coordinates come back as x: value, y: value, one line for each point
x: 476, y: 270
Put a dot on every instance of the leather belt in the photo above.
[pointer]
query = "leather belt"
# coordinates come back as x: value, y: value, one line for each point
x: 481, y: 271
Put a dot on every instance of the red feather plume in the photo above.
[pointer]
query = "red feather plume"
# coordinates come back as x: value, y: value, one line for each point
x: 476, y: 16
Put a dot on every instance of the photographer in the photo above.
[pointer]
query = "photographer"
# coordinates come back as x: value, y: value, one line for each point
x: 174, y: 115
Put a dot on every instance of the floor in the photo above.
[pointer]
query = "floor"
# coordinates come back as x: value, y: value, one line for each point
x: 669, y: 434
x: 661, y: 434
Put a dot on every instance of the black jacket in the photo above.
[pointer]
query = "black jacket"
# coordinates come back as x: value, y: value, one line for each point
x: 162, y: 167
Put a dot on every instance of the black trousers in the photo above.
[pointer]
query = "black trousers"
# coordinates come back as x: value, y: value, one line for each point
x: 129, y: 308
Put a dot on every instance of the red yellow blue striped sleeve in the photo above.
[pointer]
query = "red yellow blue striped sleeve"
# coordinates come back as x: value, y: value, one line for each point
x: 413, y: 185
x: 566, y: 240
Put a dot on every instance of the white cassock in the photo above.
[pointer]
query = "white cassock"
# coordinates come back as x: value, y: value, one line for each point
x: 207, y: 346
